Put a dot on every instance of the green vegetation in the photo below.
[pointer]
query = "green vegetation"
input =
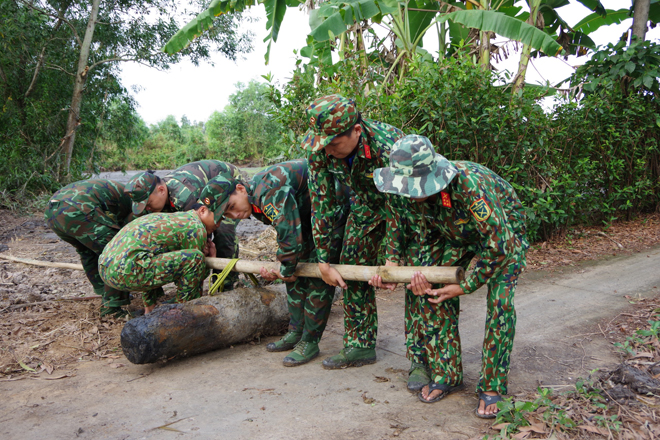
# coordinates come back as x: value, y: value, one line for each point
x: 243, y: 133
x: 592, y: 159
x: 62, y: 98
x: 589, y: 160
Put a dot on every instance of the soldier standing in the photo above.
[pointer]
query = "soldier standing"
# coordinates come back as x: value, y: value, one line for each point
x: 87, y: 215
x: 455, y: 211
x: 279, y: 196
x: 343, y: 146
x: 158, y: 249
x: 178, y: 191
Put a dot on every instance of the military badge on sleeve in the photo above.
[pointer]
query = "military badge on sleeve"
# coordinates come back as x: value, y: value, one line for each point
x: 480, y: 210
x: 271, y: 212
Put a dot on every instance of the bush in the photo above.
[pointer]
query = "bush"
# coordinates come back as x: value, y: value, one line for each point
x: 587, y: 161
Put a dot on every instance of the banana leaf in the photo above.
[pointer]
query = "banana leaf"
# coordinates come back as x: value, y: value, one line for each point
x: 505, y: 26
x: 593, y: 21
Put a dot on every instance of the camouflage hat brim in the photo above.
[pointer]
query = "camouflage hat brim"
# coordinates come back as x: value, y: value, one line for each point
x: 314, y: 142
x: 219, y: 213
x: 215, y: 195
x: 432, y: 180
x: 139, y: 207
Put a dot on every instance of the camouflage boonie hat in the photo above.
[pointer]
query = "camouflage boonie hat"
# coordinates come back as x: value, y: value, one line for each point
x: 139, y: 188
x: 415, y: 170
x: 328, y: 116
x: 215, y: 195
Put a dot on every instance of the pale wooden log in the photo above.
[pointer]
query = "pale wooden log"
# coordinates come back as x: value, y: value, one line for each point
x: 389, y: 274
x: 42, y: 263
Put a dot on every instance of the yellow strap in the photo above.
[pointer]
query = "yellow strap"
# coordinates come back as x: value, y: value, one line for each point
x: 253, y: 279
x: 219, y: 282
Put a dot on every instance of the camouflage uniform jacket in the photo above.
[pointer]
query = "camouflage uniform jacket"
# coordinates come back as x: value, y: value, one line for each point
x: 102, y: 201
x: 369, y: 206
x: 154, y: 234
x: 186, y: 183
x: 479, y: 212
x: 280, y: 197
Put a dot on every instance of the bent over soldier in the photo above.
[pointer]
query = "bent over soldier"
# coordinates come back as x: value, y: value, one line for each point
x: 459, y: 210
x: 178, y: 191
x: 87, y: 215
x: 279, y: 196
x: 344, y: 146
x: 158, y: 249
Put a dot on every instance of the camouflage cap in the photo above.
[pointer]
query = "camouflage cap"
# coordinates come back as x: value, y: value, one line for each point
x: 328, y: 116
x: 415, y: 170
x: 215, y: 195
x: 139, y: 188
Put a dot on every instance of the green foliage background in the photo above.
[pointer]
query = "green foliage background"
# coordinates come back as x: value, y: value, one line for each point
x: 591, y: 160
x: 243, y: 133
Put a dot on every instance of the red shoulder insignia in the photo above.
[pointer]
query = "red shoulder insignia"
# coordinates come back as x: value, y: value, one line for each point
x: 367, y: 151
x: 446, y: 199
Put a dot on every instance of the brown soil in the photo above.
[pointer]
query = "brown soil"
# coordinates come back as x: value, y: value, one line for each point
x: 50, y: 318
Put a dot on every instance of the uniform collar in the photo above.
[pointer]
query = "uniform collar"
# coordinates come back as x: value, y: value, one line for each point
x: 252, y: 200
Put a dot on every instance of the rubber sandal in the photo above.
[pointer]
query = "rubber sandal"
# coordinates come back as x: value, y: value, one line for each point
x: 446, y: 390
x: 488, y: 400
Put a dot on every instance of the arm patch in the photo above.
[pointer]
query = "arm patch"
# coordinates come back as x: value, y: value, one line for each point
x: 480, y: 210
x: 271, y: 212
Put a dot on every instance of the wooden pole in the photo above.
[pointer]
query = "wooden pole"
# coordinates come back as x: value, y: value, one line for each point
x: 390, y: 274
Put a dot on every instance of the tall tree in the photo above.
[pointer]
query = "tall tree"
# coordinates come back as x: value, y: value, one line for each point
x: 103, y: 33
x: 640, y: 17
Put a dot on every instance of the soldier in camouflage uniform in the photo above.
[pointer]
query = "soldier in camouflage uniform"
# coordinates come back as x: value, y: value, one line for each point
x: 279, y: 196
x: 87, y: 214
x: 158, y: 249
x: 342, y: 145
x: 178, y: 191
x: 452, y: 212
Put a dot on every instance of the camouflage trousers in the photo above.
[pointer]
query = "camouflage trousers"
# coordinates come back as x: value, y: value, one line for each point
x: 148, y: 273
x: 310, y: 299
x: 432, y: 336
x: 226, y: 246
x: 89, y: 238
x: 361, y: 247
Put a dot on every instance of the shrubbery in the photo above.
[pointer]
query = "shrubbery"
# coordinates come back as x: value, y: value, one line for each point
x: 244, y: 132
x: 594, y: 160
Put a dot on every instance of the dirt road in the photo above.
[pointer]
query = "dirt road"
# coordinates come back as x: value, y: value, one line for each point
x: 245, y: 392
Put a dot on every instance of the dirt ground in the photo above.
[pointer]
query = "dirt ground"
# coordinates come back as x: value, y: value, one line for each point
x: 61, y: 366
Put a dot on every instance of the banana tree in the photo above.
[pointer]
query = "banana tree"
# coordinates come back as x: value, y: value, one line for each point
x: 593, y: 21
x: 333, y: 18
x: 544, y: 15
x: 275, y: 10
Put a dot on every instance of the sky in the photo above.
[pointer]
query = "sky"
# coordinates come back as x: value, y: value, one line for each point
x: 198, y: 91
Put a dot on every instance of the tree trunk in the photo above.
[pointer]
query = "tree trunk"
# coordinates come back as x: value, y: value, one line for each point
x: 640, y: 18
x: 484, y: 49
x: 519, y: 80
x: 205, y: 324
x: 81, y: 76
